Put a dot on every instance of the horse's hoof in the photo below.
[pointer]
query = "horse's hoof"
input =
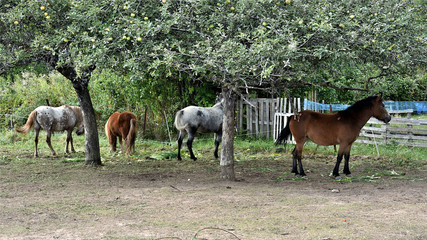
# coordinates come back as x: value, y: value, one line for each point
x: 194, y: 159
x: 348, y: 175
x: 338, y: 177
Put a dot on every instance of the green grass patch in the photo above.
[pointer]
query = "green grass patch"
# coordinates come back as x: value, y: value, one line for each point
x: 72, y: 160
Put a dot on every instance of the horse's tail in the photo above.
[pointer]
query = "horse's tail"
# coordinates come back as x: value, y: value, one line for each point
x: 29, y: 124
x: 284, y: 134
x: 131, y: 137
x: 179, y: 124
x: 107, y: 132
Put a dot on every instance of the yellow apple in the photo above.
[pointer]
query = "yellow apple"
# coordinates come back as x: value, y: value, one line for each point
x: 16, y: 22
x: 132, y: 14
x: 42, y: 8
x: 139, y: 39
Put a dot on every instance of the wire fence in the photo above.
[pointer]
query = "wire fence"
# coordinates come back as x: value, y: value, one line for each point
x: 418, y: 107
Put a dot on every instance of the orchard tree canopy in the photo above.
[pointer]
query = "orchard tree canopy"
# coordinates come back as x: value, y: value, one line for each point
x: 238, y: 44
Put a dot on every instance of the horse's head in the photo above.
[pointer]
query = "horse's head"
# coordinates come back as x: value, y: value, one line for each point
x: 81, y: 129
x: 379, y: 110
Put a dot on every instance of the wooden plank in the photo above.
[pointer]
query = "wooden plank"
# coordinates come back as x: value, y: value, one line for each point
x: 256, y: 119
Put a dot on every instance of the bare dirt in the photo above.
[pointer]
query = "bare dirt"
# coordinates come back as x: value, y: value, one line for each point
x: 144, y: 198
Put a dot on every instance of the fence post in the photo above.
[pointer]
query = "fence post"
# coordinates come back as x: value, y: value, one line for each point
x: 387, y: 133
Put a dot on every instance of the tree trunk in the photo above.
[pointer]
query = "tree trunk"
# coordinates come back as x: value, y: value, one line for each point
x: 92, y: 152
x: 227, y: 149
x: 80, y: 84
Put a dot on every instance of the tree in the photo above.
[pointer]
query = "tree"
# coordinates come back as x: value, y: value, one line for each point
x: 272, y: 45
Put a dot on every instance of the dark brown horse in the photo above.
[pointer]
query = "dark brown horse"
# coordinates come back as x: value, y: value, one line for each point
x: 340, y: 128
x: 122, y: 126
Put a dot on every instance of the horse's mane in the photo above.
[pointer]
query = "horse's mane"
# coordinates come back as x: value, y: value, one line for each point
x: 77, y: 111
x: 358, y: 106
x: 218, y: 105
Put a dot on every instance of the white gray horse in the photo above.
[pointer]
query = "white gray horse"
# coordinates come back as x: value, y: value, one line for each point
x: 194, y: 119
x: 54, y: 119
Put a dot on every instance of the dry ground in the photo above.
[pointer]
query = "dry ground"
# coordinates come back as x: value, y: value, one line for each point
x: 144, y: 198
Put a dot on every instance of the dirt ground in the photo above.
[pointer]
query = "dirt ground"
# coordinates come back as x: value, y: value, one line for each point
x: 145, y: 198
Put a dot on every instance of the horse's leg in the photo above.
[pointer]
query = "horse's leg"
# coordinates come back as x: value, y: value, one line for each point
x: 121, y: 143
x: 36, y: 141
x: 298, y: 156
x: 71, y: 142
x: 346, y: 167
x: 180, y: 139
x: 191, y: 134
x: 218, y: 137
x: 294, y: 161
x: 335, y: 172
x: 113, y: 142
x: 48, y: 138
x: 347, y: 158
x: 69, y: 138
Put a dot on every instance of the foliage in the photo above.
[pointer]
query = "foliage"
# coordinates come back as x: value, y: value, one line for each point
x: 168, y: 54
x: 245, y: 44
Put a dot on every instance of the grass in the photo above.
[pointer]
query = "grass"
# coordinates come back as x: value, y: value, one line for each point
x: 246, y: 149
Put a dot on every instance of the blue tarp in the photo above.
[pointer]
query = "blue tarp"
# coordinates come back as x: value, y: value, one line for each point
x: 418, y: 107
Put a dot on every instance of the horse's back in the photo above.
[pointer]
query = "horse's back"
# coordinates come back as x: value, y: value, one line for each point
x: 119, y: 122
x: 205, y: 120
x: 56, y: 118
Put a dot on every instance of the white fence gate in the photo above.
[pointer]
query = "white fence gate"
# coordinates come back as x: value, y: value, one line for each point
x: 265, y: 116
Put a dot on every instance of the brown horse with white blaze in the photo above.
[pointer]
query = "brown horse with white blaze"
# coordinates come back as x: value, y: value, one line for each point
x: 341, y: 128
x: 122, y: 126
x: 51, y: 119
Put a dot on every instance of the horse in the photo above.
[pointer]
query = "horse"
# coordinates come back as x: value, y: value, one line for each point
x: 341, y: 128
x: 51, y: 119
x: 122, y: 126
x: 194, y: 119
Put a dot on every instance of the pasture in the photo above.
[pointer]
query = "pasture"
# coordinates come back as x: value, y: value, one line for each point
x: 151, y: 195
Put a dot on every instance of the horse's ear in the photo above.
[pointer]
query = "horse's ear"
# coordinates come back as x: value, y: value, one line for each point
x: 381, y: 96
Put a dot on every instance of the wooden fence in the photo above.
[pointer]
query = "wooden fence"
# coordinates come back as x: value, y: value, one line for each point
x: 259, y: 116
x: 264, y: 117
x: 401, y: 131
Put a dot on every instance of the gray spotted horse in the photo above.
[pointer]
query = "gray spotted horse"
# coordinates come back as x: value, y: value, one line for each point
x: 52, y: 119
x: 194, y: 119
